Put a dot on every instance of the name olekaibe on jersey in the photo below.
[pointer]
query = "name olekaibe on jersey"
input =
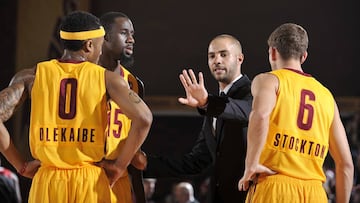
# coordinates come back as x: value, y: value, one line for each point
x: 66, y: 134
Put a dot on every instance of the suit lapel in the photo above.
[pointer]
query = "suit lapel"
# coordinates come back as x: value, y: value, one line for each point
x: 239, y: 84
x: 236, y: 91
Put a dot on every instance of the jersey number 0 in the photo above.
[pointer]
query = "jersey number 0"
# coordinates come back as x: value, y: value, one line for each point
x: 67, y: 98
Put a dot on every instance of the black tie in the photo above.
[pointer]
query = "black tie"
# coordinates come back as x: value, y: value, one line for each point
x: 222, y: 94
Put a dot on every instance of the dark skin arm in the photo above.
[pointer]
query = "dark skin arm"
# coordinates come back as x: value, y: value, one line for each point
x: 16, y: 93
x: 141, y: 118
x: 10, y: 98
x: 26, y: 169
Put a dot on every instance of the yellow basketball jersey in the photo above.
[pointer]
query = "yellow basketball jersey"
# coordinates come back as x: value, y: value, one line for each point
x: 119, y: 124
x: 117, y: 131
x: 298, y: 136
x: 68, y: 114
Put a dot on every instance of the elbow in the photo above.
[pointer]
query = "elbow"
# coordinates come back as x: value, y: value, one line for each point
x: 145, y: 119
x: 346, y: 167
x: 349, y: 166
x: 140, y: 126
x: 148, y: 118
x: 259, y: 116
x: 141, y: 123
x: 145, y: 122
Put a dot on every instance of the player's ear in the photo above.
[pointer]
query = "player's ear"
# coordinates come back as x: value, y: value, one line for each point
x: 106, y: 37
x: 88, y: 45
x: 303, y: 57
x: 272, y: 53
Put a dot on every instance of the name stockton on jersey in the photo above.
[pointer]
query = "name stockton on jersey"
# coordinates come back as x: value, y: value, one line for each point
x: 300, y: 145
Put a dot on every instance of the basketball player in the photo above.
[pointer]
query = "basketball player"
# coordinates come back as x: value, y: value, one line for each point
x: 117, y: 53
x: 68, y: 117
x: 293, y: 123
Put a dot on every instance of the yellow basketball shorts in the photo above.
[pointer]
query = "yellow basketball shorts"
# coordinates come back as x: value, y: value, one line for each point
x: 284, y: 189
x: 122, y: 190
x: 87, y: 184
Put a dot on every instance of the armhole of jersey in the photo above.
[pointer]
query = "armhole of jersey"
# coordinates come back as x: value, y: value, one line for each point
x: 36, y: 68
x: 278, y: 79
x: 122, y: 71
x: 105, y: 86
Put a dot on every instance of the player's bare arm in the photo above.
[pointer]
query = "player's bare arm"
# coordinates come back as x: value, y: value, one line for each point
x: 14, y: 95
x: 8, y: 149
x: 10, y: 98
x: 264, y: 89
x: 141, y: 117
x: 340, y: 152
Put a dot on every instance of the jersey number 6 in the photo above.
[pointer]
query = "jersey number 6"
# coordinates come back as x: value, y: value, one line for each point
x: 305, y: 96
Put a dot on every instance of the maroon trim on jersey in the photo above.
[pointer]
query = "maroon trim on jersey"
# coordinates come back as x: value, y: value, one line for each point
x: 69, y: 61
x: 297, y: 71
x: 122, y: 72
x: 120, y: 69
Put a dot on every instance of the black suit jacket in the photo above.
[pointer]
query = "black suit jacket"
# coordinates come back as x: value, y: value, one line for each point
x: 223, y: 151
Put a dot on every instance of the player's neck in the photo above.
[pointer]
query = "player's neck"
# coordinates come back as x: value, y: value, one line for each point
x: 108, y: 63
x: 291, y: 64
x: 73, y: 56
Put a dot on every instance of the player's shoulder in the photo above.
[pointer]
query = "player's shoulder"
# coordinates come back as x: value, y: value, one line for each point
x: 266, y: 76
x: 24, y: 74
x: 125, y: 71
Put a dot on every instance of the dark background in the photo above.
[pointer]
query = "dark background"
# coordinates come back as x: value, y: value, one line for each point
x: 173, y: 35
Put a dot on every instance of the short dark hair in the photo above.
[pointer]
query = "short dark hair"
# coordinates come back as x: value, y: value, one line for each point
x: 78, y: 21
x: 107, y: 20
x: 290, y: 40
x: 232, y: 38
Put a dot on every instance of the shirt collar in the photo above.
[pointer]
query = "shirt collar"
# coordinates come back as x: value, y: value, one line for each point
x: 226, y: 89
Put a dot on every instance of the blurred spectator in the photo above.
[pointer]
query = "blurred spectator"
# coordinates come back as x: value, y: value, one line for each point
x: 352, y: 126
x: 329, y: 184
x: 357, y: 168
x: 149, y: 189
x: 202, y: 195
x: 184, y: 193
x: 355, y: 196
x: 9, y: 186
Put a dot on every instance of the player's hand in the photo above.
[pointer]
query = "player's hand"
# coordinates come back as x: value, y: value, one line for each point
x: 196, y: 94
x: 31, y: 168
x: 139, y: 160
x: 112, y: 171
x: 251, y: 175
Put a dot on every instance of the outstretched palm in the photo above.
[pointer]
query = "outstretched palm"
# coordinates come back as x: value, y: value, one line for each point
x: 196, y: 94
